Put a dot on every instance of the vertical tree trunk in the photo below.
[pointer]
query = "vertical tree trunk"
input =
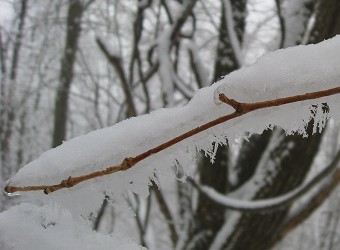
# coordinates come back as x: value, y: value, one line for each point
x: 209, y: 216
x: 74, y: 16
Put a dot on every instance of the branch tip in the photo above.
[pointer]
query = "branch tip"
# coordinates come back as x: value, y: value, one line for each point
x: 8, y: 189
x: 239, y: 107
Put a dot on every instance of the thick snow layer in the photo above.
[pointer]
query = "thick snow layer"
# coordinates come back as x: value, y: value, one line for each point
x: 283, y: 73
x: 29, y: 227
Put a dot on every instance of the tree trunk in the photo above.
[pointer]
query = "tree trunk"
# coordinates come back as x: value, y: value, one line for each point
x: 74, y: 16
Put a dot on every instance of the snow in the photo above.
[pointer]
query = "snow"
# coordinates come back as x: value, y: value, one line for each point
x: 296, y: 18
x: 283, y: 73
x: 31, y: 227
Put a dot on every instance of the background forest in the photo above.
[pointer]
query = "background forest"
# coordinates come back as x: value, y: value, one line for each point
x: 72, y: 66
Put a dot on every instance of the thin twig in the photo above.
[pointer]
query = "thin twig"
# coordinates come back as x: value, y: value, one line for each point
x: 164, y: 208
x: 240, y: 109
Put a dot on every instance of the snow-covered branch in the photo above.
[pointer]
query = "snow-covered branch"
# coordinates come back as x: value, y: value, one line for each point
x: 129, y: 162
x: 277, y: 91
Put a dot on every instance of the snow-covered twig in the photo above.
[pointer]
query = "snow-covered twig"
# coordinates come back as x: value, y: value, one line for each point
x: 129, y: 162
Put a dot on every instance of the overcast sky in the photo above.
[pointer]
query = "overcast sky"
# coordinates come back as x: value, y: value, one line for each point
x: 6, y: 11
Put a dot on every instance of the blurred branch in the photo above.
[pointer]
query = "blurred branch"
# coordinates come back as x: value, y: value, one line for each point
x: 100, y: 214
x: 272, y: 204
x: 281, y: 22
x: 167, y: 11
x: 117, y: 64
x: 166, y: 212
x: 310, y: 206
x: 135, y: 57
x: 198, y: 69
x: 234, y: 41
x: 182, y: 18
x: 140, y: 225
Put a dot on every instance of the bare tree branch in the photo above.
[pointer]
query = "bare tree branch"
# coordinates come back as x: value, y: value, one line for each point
x: 117, y: 64
x: 181, y: 20
x: 166, y: 212
x: 140, y: 225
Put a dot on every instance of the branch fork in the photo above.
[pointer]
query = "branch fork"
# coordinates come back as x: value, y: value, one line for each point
x: 238, y: 106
